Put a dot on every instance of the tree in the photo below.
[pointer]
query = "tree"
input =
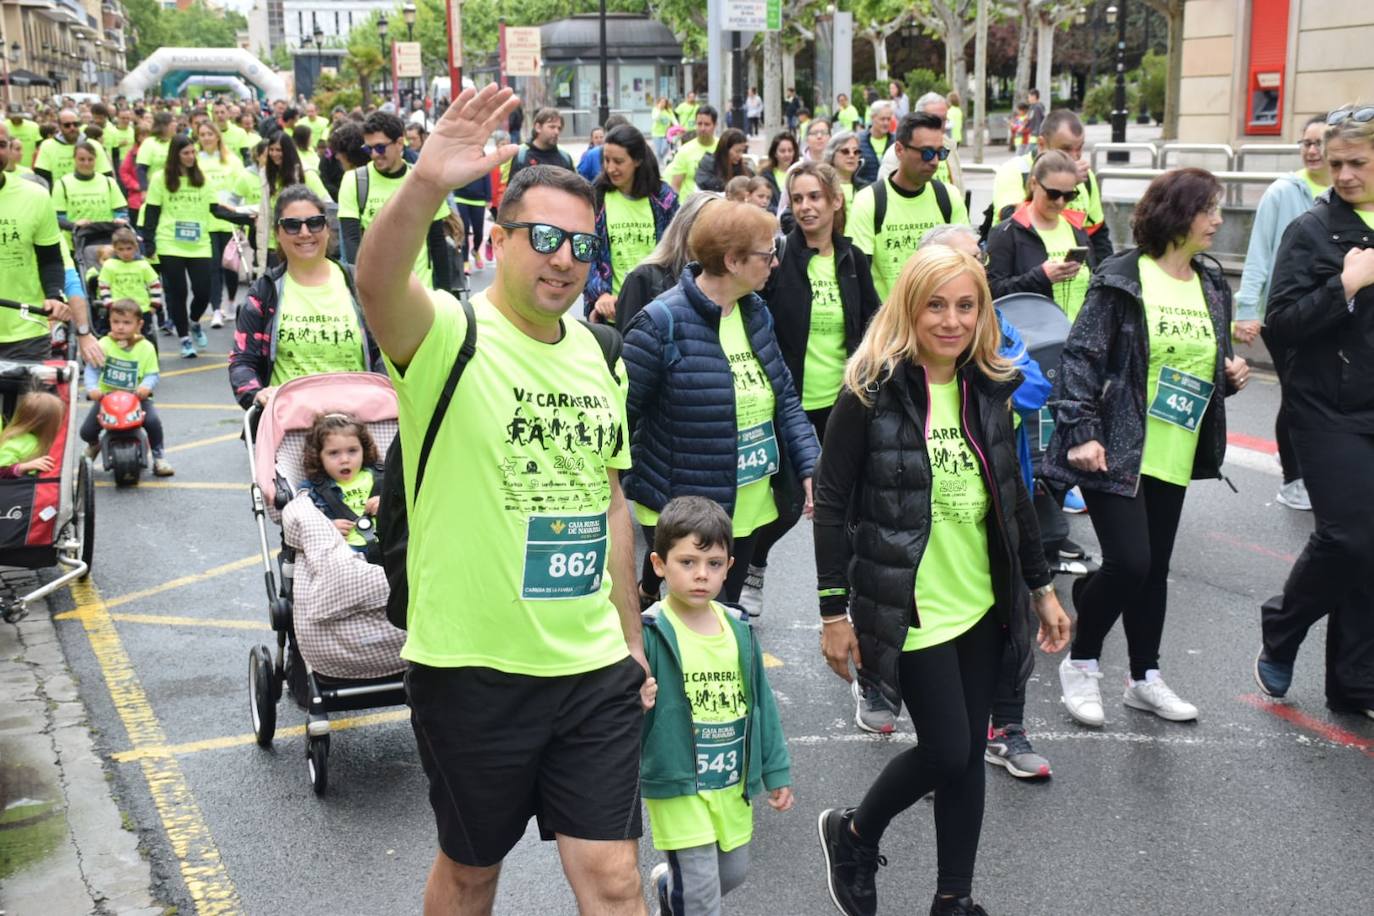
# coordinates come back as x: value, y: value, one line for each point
x: 1049, y: 16
x: 1172, y: 11
x: 949, y: 19
x: 197, y: 26
x: 364, y: 61
x: 877, y: 20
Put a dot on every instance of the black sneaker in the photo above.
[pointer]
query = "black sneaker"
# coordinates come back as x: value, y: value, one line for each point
x: 1070, y: 550
x: 849, y: 865
x: 955, y: 906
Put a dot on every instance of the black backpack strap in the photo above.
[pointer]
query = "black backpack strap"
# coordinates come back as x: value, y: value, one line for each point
x: 879, y: 206
x: 465, y: 353
x: 612, y: 345
x: 942, y: 200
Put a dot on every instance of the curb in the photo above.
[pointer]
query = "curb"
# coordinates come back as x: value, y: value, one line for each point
x: 92, y: 864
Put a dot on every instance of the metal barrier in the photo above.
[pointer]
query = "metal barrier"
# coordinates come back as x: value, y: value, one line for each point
x: 1218, y: 149
x: 1149, y: 148
x: 1226, y: 178
x: 1261, y: 149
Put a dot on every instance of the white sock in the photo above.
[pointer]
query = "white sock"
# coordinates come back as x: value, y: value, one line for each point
x: 1085, y: 664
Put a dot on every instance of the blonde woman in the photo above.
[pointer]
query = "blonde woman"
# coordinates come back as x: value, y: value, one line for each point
x: 919, y: 462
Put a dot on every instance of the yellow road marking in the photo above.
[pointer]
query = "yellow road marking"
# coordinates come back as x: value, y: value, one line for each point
x: 202, y: 869
x: 176, y: 485
x: 206, y: 368
x: 187, y: 580
x: 217, y: 744
x: 169, y: 620
x: 228, y: 408
x: 213, y: 440
x: 771, y: 661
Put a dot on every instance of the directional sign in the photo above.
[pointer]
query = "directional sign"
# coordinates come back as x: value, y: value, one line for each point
x: 753, y: 15
x: 522, y: 51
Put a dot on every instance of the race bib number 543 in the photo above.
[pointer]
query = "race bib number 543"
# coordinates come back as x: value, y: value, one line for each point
x: 565, y: 556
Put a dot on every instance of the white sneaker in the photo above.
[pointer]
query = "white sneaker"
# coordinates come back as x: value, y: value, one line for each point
x: 1156, y: 697
x: 217, y: 319
x: 1294, y: 495
x: 1082, y: 695
x: 751, y: 596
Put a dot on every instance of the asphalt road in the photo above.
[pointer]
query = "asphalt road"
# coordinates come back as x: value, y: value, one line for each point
x: 1245, y: 812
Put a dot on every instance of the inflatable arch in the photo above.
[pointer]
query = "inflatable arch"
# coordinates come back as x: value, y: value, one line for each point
x: 231, y: 83
x: 231, y: 61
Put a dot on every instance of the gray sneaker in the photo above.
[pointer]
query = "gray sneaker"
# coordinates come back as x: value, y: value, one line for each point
x: 1294, y: 495
x: 1009, y: 747
x: 751, y: 596
x: 872, y: 713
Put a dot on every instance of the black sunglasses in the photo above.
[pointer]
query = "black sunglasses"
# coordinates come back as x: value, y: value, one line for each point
x: 547, y: 239
x: 1055, y: 194
x: 378, y: 149
x: 1358, y: 115
x: 930, y: 153
x: 292, y: 225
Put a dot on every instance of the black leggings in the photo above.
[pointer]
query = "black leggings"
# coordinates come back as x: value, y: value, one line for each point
x: 948, y: 690
x: 175, y: 270
x: 1288, y: 455
x: 473, y: 217
x: 651, y: 584
x: 1137, y: 538
x: 774, y: 531
x: 221, y: 279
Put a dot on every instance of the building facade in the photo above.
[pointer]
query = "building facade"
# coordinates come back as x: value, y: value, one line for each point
x: 58, y: 47
x: 1256, y: 70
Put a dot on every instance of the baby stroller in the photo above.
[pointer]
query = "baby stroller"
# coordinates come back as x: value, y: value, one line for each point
x: 275, y: 436
x: 1044, y: 327
x: 50, y: 520
x: 86, y: 244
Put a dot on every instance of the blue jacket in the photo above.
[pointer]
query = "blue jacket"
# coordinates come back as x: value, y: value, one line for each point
x: 1032, y: 394
x: 681, y: 404
x: 1284, y: 201
x: 589, y: 166
x: 668, y: 760
x: 664, y: 207
x: 869, y: 160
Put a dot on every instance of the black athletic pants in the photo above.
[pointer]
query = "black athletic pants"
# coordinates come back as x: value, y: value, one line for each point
x: 1334, y: 574
x: 651, y: 584
x: 221, y: 279
x: 947, y: 690
x: 776, y: 530
x: 1137, y: 537
x: 474, y: 220
x: 175, y: 271
x: 1288, y: 456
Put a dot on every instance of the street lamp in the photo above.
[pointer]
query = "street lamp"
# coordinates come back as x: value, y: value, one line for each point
x: 1118, y: 18
x: 306, y: 42
x: 604, y: 111
x: 319, y: 48
x: 408, y: 13
x: 1144, y: 116
x: 386, y: 57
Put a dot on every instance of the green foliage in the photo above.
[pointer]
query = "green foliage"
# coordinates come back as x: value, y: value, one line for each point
x: 920, y: 81
x: 1101, y: 99
x: 197, y: 26
x: 1153, y: 80
x: 331, y: 90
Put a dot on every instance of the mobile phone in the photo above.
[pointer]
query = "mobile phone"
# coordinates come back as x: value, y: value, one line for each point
x: 1079, y: 254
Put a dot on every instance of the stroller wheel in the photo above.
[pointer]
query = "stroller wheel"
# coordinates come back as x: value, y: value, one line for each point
x: 317, y: 761
x: 262, y: 702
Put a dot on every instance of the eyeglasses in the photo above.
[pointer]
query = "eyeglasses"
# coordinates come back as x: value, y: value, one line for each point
x: 378, y: 149
x: 1055, y: 194
x: 847, y: 152
x: 769, y: 256
x: 1312, y: 144
x: 930, y: 153
x: 1358, y: 115
x: 547, y: 239
x: 69, y: 124
x: 292, y: 225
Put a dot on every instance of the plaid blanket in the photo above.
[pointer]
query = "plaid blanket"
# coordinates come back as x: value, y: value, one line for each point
x: 340, y: 600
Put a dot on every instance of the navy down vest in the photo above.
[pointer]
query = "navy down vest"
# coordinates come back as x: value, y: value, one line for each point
x: 681, y: 401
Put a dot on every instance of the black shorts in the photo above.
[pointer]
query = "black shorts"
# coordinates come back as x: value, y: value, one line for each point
x: 498, y: 748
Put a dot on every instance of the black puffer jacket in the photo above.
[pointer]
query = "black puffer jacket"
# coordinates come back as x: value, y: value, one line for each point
x: 872, y: 519
x: 1330, y: 383
x: 788, y: 295
x: 1016, y: 254
x: 1103, y: 378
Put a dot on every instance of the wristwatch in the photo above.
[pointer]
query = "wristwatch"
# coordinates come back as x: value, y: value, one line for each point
x: 1042, y: 591
x: 83, y: 330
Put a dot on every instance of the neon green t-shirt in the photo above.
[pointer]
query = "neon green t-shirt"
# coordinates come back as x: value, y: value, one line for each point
x: 1315, y: 187
x: 955, y: 120
x: 630, y: 229
x: 23, y: 447
x: 848, y: 117
x: 317, y: 330
x: 129, y: 280
x: 117, y: 142
x: 1367, y: 216
x: 125, y: 369
x: 380, y: 189
x: 954, y: 580
x: 847, y: 190
x: 310, y: 160
x: 509, y: 538
x: 1183, y: 360
x: 26, y: 131
x: 152, y: 152
x: 59, y: 159
x: 687, y: 114
x: 183, y: 227
x: 757, y: 442
x: 27, y: 218
x: 685, y: 164
x: 235, y: 138
x: 356, y: 493
x: 823, y: 368
x: 1068, y: 294
x: 95, y: 198
x: 908, y: 217
x: 221, y: 177
x: 879, y: 144
x: 319, y: 129
x: 663, y: 120
x: 715, y: 691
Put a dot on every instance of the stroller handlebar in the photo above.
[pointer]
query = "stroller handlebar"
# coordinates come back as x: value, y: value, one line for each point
x: 23, y: 306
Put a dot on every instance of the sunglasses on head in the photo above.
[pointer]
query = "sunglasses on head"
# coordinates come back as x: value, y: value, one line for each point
x: 1055, y: 194
x: 1358, y: 115
x: 547, y: 239
x: 931, y: 153
x: 292, y: 225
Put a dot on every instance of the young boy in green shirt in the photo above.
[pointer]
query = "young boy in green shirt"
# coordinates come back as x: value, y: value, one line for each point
x: 713, y: 739
x: 130, y: 365
x: 128, y: 275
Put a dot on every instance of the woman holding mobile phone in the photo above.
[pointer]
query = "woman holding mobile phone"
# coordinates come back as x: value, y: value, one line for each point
x: 1043, y: 247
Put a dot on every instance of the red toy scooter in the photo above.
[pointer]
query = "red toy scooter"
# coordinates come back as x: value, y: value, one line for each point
x: 124, y: 445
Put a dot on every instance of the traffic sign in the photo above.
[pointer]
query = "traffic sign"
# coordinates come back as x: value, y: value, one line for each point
x: 522, y: 51
x: 752, y: 15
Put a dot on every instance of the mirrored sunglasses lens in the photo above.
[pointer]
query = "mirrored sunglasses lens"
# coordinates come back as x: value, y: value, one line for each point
x: 585, y: 247
x: 545, y: 239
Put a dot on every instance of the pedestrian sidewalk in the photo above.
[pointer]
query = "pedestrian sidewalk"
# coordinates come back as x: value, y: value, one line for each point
x: 64, y: 847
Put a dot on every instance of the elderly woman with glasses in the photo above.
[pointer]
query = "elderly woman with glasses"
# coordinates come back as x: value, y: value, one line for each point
x: 842, y: 154
x: 712, y: 405
x: 816, y: 137
x: 302, y: 317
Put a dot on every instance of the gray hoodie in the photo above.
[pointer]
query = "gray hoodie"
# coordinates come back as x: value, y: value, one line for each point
x: 1284, y: 201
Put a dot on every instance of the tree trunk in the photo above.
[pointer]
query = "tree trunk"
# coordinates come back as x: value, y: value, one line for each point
x: 1024, y: 35
x: 1175, y: 73
x: 1044, y: 58
x: 879, y: 42
x: 772, y: 83
x: 789, y: 69
x: 980, y: 66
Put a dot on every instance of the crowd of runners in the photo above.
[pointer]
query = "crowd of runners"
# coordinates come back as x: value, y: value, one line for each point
x: 811, y: 338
